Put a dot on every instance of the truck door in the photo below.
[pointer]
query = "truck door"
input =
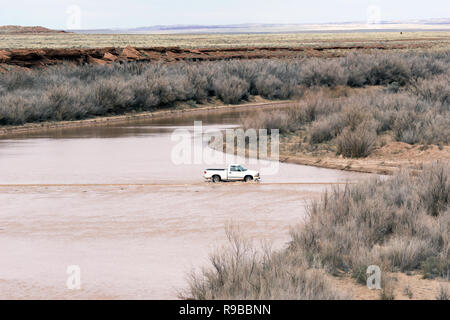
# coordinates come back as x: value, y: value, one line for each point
x: 234, y: 173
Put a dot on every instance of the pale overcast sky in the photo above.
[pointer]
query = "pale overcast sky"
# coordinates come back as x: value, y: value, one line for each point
x: 138, y: 13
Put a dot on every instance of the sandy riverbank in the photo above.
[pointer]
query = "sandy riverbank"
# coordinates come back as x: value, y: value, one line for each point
x: 384, y: 160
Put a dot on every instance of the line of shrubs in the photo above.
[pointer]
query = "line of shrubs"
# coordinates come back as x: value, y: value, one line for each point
x: 70, y: 92
x: 417, y: 113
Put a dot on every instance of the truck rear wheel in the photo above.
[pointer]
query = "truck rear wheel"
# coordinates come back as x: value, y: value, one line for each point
x: 248, y: 178
x: 216, y: 178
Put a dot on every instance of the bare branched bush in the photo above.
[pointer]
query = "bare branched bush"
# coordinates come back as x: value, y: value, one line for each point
x: 435, y: 191
x: 405, y: 253
x: 271, y: 87
x: 230, y: 89
x: 407, y: 127
x: 358, y: 142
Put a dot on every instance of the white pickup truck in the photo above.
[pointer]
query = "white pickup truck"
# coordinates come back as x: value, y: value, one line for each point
x: 235, y: 172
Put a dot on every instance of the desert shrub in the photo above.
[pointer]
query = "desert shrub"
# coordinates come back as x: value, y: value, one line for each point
x: 270, y: 87
x: 386, y: 106
x: 435, y: 266
x: 393, y: 87
x: 142, y: 94
x: 16, y: 80
x: 230, y: 89
x: 381, y: 222
x: 241, y: 272
x: 388, y: 69
x: 411, y: 118
x: 358, y: 67
x: 340, y: 113
x: 14, y: 109
x: 435, y: 191
x: 325, y: 129
x: 435, y: 89
x: 353, y: 115
x: 387, y: 287
x: 437, y: 129
x: 407, y: 127
x: 319, y: 72
x: 424, y: 65
x: 358, y: 142
x: 306, y: 111
x: 428, y: 127
x: 199, y: 84
x: 313, y: 105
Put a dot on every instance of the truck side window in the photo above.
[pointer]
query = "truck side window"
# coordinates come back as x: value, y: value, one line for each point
x: 234, y: 168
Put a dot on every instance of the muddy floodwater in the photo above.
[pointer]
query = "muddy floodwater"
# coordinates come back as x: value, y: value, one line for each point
x: 112, y: 201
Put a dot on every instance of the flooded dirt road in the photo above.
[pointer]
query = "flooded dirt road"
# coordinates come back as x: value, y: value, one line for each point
x: 111, y: 201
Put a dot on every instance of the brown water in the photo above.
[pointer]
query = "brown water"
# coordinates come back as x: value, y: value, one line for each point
x: 110, y: 200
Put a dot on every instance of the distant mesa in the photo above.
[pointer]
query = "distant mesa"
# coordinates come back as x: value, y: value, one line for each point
x: 27, y: 30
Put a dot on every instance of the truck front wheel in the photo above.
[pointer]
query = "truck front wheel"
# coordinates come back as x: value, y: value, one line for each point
x: 216, y: 178
x: 248, y: 178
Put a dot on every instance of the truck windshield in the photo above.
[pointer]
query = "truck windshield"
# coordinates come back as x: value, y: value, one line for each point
x: 242, y: 168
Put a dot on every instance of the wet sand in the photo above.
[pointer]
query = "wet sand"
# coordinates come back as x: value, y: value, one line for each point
x: 110, y: 200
